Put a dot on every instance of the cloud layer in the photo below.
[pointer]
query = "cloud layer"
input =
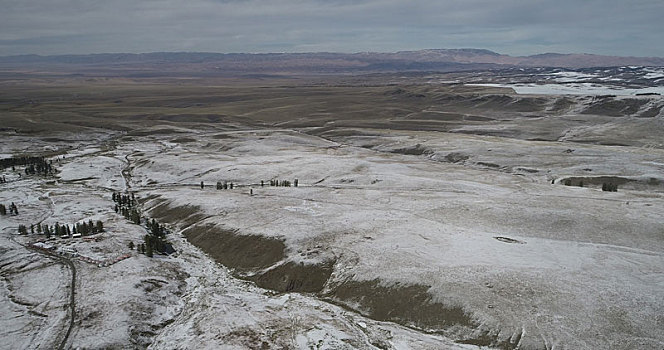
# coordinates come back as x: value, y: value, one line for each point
x: 517, y: 27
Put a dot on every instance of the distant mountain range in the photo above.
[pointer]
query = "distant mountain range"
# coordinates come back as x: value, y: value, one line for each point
x: 444, y: 60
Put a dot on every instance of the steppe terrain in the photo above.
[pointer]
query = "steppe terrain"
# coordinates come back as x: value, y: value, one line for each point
x: 429, y: 213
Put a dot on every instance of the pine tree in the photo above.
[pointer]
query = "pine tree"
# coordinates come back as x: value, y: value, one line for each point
x: 202, y: 185
x: 3, y: 209
x: 131, y: 245
x: 148, y: 251
x: 100, y: 226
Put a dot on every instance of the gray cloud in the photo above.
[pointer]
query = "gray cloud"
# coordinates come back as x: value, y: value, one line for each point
x: 614, y: 27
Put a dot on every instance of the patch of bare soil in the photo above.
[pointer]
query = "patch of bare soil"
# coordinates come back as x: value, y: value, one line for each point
x: 509, y: 240
x: 150, y: 132
x: 416, y: 150
x: 184, y: 215
x: 652, y: 183
x: 183, y: 140
x: 614, y: 108
x: 412, y: 305
x: 294, y: 277
x: 232, y: 249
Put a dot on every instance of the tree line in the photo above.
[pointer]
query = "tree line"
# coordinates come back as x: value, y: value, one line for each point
x: 225, y: 185
x: 84, y: 228
x: 34, y: 165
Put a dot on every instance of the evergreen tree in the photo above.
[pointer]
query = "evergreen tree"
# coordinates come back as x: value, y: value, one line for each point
x: 202, y: 185
x: 3, y: 209
x: 100, y: 226
x: 131, y: 245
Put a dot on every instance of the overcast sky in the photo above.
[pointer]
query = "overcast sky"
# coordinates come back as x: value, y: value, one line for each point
x: 516, y: 27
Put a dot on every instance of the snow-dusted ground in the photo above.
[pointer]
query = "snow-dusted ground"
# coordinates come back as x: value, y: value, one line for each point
x: 184, y: 301
x: 591, y: 262
x: 474, y: 222
x: 566, y: 88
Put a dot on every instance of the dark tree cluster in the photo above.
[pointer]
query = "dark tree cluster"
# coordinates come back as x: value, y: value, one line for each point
x: 154, y: 241
x: 3, y: 180
x: 84, y: 228
x: 13, y: 210
x: 225, y: 185
x: 156, y: 229
x: 33, y: 165
x: 609, y: 187
x: 125, y: 205
x: 282, y: 183
x: 42, y: 168
x: 14, y: 161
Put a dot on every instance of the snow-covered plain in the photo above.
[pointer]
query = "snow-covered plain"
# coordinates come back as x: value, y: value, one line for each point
x: 577, y: 89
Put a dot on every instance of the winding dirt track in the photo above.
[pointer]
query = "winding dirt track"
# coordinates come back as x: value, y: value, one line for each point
x: 72, y: 292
